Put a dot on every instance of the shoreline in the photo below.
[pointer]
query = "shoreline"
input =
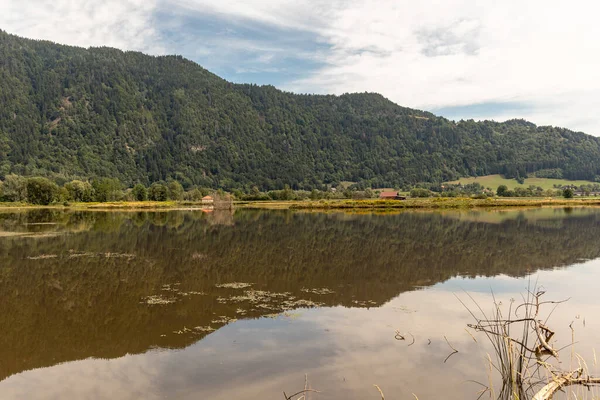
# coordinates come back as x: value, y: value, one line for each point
x: 374, y: 204
x: 422, y: 204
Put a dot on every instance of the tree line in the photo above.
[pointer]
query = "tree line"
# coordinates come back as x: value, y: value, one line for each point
x: 43, y: 191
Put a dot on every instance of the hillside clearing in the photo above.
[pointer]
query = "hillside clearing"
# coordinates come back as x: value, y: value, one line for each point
x: 493, y: 181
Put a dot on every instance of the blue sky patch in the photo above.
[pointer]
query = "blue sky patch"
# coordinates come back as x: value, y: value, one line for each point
x: 238, y: 50
x: 487, y: 110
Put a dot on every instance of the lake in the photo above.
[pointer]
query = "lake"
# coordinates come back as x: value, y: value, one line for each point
x: 223, y: 305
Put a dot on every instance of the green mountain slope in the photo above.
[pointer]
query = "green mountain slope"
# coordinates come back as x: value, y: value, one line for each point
x: 68, y: 112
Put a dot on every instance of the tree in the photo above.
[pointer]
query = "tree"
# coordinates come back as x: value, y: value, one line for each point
x: 41, y: 191
x: 193, y: 195
x: 62, y: 195
x: 107, y: 189
x: 79, y: 191
x: 287, y: 193
x: 238, y: 194
x: 14, y: 188
x: 420, y: 192
x: 139, y: 192
x: 502, y: 190
x: 158, y: 192
x: 568, y: 193
x: 175, y: 191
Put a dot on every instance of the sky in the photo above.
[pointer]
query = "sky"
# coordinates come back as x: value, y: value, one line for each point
x: 480, y: 59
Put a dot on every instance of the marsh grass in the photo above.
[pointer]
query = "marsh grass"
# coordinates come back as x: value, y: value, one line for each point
x: 522, y: 355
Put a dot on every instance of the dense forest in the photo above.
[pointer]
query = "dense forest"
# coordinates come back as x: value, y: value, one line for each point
x: 72, y: 113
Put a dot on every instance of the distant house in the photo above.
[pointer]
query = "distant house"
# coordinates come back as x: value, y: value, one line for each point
x: 391, y: 196
x: 208, y: 200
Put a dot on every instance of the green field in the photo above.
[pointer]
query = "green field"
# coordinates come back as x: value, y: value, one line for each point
x: 493, y: 181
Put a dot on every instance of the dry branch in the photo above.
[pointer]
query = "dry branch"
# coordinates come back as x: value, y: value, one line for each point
x: 303, y: 392
x: 520, y: 360
x: 544, y: 335
x: 380, y: 392
x: 399, y: 336
x: 453, y: 352
x: 300, y: 392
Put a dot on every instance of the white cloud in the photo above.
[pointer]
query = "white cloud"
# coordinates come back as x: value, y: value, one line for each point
x: 124, y: 24
x: 454, y: 52
x: 457, y: 52
x: 434, y: 54
x: 428, y: 54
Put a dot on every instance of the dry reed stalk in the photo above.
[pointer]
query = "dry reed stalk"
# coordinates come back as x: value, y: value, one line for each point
x: 524, y: 362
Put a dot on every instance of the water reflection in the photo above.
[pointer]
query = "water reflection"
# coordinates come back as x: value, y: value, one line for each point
x: 77, y: 285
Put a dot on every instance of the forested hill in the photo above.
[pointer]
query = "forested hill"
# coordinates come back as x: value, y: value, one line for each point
x: 68, y: 112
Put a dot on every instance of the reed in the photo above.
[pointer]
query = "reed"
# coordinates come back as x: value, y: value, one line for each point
x: 522, y: 357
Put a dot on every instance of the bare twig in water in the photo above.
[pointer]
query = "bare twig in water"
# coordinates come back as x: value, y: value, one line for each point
x: 303, y: 397
x: 538, y: 304
x: 399, y: 336
x: 470, y: 334
x: 561, y: 381
x: 380, y: 392
x: 302, y: 392
x: 453, y: 352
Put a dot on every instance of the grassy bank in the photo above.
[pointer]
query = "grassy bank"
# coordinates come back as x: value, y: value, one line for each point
x: 493, y: 181
x: 417, y: 203
x: 121, y: 205
x: 136, y: 205
x: 430, y: 203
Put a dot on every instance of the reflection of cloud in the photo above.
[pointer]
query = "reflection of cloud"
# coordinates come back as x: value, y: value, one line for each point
x: 343, y: 350
x: 130, y: 377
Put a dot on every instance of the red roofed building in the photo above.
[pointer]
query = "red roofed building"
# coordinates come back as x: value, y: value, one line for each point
x: 391, y: 196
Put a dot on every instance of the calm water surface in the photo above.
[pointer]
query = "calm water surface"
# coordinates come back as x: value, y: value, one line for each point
x: 193, y: 305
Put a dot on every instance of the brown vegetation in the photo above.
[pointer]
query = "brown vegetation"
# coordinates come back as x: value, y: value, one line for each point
x: 526, y: 361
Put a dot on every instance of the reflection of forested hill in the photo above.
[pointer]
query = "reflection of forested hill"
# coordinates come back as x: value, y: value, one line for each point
x: 78, y: 288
